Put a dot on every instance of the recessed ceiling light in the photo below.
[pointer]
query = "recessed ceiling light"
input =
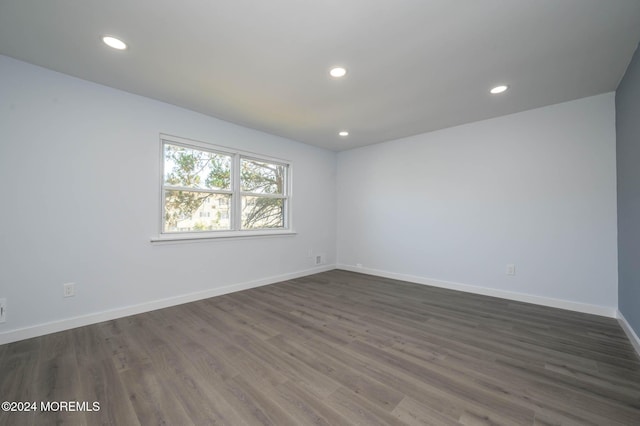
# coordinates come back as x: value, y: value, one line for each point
x: 499, y: 89
x: 343, y: 133
x: 338, y: 72
x: 114, y: 43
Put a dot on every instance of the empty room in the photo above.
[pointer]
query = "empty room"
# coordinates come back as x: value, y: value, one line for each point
x: 331, y: 212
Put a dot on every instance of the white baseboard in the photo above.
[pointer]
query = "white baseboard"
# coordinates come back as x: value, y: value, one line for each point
x: 79, y: 321
x: 631, y: 334
x: 605, y: 311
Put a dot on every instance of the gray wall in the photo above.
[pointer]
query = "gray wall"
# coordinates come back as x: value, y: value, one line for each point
x: 454, y: 207
x: 628, y: 162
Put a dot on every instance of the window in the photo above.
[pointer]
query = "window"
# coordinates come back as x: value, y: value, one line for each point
x: 213, y: 191
x: 262, y: 186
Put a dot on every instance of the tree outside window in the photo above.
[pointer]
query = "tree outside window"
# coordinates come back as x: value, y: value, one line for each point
x: 216, y: 190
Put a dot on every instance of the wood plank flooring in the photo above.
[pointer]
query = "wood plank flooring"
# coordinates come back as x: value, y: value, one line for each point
x: 336, y: 348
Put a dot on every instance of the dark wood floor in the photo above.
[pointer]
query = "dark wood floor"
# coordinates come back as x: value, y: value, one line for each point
x: 337, y: 348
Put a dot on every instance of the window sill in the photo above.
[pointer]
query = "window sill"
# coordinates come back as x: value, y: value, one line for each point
x: 202, y: 237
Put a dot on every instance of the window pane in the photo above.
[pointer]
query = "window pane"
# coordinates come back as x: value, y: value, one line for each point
x: 193, y: 168
x: 260, y: 212
x: 262, y: 177
x: 191, y: 211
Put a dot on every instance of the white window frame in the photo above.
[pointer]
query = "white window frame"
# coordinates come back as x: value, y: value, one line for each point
x: 235, y: 214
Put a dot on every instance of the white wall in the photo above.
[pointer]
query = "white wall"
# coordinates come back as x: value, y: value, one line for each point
x: 79, y: 169
x: 454, y: 207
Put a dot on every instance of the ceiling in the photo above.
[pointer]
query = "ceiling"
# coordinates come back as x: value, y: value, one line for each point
x: 414, y: 66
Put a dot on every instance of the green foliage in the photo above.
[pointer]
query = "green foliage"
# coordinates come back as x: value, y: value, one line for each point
x: 187, y: 168
x: 199, y: 226
x: 181, y: 205
x: 220, y: 174
x: 261, y: 178
x: 191, y: 168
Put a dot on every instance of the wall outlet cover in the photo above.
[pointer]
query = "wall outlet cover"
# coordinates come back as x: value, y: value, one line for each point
x: 69, y: 289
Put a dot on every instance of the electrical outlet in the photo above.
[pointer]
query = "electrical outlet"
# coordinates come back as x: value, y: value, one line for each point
x: 319, y: 259
x: 69, y: 289
x: 511, y: 269
x: 3, y: 310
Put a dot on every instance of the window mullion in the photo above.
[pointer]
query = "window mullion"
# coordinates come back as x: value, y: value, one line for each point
x: 236, y: 219
x: 262, y: 195
x: 191, y: 189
